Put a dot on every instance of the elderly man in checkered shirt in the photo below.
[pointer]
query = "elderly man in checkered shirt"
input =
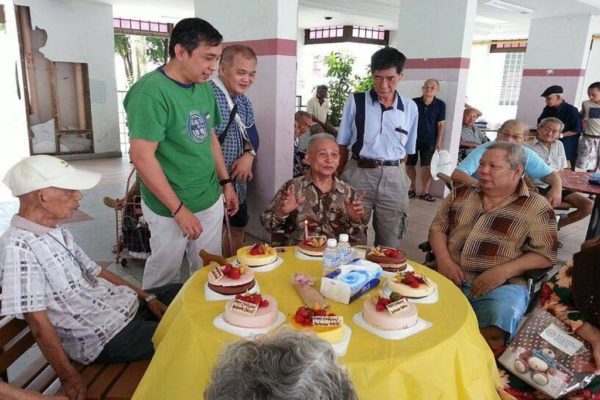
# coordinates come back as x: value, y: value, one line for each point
x: 487, y: 235
x: 75, y: 309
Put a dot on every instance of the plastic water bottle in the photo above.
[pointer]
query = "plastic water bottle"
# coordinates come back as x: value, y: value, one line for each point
x: 344, y: 249
x: 331, y: 257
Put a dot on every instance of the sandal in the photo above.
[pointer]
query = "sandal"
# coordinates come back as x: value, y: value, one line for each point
x: 427, y: 197
x: 411, y: 194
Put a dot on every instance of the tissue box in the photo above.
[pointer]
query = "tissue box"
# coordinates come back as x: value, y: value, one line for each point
x: 349, y: 282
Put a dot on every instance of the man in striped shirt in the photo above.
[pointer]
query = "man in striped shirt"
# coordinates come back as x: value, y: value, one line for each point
x: 487, y: 235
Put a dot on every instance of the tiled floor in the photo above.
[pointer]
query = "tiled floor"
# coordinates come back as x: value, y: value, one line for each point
x: 98, y: 236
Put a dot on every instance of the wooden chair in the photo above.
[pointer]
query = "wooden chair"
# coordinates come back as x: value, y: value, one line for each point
x: 104, y: 381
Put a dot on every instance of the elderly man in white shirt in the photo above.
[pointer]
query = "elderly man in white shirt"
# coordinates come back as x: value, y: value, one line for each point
x: 552, y: 152
x: 75, y: 309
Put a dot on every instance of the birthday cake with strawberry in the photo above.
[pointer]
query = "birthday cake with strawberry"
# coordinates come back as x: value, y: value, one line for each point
x: 257, y: 255
x: 389, y: 258
x: 390, y: 313
x: 313, y: 246
x: 251, y: 311
x: 228, y: 280
x: 326, y: 325
x: 411, y: 284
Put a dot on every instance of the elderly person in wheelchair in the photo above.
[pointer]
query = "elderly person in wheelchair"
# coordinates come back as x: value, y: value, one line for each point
x: 486, y: 236
x: 318, y: 198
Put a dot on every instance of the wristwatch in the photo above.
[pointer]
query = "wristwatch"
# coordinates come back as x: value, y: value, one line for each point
x: 150, y: 297
x: 251, y: 151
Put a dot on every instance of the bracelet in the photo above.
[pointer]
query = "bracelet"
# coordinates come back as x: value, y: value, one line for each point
x: 224, y: 182
x: 178, y: 208
x: 150, y: 297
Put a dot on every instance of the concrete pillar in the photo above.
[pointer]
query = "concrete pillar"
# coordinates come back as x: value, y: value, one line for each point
x: 270, y: 28
x: 436, y: 38
x: 561, y: 63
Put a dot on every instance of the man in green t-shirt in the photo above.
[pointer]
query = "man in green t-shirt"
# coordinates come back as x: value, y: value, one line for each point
x: 171, y: 115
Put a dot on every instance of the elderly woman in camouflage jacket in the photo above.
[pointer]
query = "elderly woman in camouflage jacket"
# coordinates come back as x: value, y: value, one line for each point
x: 328, y: 205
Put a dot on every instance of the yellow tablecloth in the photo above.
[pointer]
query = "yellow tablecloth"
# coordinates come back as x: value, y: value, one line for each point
x: 450, y: 360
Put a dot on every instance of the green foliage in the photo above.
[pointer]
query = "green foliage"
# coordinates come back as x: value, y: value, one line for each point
x: 339, y: 69
x: 342, y: 83
x: 123, y: 48
x: 157, y: 49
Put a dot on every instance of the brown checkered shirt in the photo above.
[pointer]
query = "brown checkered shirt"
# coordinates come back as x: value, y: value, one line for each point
x: 478, y: 240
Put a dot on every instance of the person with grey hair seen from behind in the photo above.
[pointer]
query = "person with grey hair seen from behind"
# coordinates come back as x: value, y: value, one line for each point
x: 486, y: 236
x: 512, y: 131
x: 286, y: 365
x: 327, y: 205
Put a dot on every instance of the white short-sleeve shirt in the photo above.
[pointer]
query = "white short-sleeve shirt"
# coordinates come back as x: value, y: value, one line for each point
x: 44, y: 270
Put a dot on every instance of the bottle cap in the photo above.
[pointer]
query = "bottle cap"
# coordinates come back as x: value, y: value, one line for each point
x: 331, y: 242
x: 344, y: 237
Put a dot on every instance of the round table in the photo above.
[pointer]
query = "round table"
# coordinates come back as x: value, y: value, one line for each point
x: 450, y: 360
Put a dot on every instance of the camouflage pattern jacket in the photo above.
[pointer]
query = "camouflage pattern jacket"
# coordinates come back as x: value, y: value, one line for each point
x: 325, y: 212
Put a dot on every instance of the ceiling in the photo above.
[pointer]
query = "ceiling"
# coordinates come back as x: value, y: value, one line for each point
x: 493, y: 21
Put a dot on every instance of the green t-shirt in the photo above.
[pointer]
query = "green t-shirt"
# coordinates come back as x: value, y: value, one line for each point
x: 179, y: 117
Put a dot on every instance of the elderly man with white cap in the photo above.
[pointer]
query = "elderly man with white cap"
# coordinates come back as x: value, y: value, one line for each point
x: 75, y: 309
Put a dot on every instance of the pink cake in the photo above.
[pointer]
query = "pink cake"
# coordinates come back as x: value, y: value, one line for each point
x: 265, y: 315
x: 375, y: 313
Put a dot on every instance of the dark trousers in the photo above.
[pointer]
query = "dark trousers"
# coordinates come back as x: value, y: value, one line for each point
x: 134, y: 341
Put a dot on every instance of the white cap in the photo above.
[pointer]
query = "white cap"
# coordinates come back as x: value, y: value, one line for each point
x: 331, y: 242
x: 39, y: 172
x: 344, y: 237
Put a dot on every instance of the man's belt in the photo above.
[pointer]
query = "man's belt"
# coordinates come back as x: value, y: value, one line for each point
x: 369, y: 163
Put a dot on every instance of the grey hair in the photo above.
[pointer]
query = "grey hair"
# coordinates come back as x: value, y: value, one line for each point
x: 510, y: 122
x: 287, y: 365
x: 302, y: 114
x: 514, y: 152
x: 432, y: 80
x: 316, y: 137
x: 548, y: 120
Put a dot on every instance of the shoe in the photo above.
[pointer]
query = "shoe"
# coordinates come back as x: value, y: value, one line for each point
x: 411, y: 194
x: 427, y: 197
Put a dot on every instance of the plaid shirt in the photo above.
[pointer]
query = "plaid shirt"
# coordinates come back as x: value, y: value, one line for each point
x: 39, y: 274
x: 479, y: 240
x: 325, y: 212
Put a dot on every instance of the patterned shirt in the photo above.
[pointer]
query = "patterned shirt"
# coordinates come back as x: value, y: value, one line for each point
x: 479, y: 240
x: 325, y: 212
x: 44, y: 270
x: 556, y: 297
x: 474, y: 135
x: 233, y: 146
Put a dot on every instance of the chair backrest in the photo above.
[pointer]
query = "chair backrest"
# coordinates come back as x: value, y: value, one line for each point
x: 15, y: 339
x: 446, y: 179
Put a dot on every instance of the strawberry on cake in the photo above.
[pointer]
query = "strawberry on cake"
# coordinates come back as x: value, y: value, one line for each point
x: 390, y: 313
x: 313, y: 246
x: 229, y: 280
x: 390, y: 259
x: 327, y: 326
x: 251, y: 311
x: 257, y: 255
x: 411, y: 284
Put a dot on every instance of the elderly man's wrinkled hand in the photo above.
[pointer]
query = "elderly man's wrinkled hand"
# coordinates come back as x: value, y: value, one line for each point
x: 355, y: 209
x: 452, y: 271
x: 554, y: 196
x: 488, y: 280
x: 241, y: 169
x: 75, y: 387
x: 157, y: 308
x: 289, y: 202
x: 188, y: 223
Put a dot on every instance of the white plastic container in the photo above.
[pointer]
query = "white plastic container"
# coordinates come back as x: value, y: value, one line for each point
x: 331, y: 257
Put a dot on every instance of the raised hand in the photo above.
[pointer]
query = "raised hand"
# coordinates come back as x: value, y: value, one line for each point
x: 289, y: 202
x: 355, y: 209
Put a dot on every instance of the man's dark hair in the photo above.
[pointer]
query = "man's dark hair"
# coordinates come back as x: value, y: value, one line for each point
x: 595, y: 85
x: 190, y: 32
x: 322, y: 87
x: 386, y: 58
